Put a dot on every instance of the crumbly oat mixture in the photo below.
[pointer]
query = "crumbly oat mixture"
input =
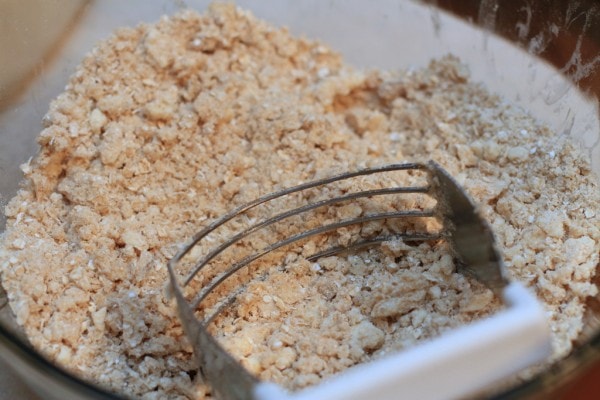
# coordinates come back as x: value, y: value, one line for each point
x: 166, y: 126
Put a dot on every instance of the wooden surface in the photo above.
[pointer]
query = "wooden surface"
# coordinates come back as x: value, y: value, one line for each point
x: 584, y: 387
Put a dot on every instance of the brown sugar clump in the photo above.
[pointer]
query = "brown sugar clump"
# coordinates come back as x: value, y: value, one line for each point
x: 166, y: 126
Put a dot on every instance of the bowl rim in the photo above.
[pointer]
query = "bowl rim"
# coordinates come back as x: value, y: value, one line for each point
x: 12, y: 346
x: 554, y: 377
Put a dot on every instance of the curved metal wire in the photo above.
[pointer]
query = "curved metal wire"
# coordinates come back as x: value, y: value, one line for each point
x: 423, y: 237
x: 470, y: 239
x: 407, y: 237
x: 293, y: 212
x: 308, y: 185
x: 217, y: 280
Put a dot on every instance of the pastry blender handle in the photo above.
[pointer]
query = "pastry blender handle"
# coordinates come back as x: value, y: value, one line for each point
x: 458, y: 363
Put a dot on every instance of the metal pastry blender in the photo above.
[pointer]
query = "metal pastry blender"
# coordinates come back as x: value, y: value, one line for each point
x: 458, y: 363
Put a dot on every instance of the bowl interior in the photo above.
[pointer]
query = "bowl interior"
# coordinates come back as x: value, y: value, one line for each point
x: 387, y: 34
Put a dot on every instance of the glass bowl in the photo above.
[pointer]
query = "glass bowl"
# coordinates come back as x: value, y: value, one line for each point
x: 541, y: 55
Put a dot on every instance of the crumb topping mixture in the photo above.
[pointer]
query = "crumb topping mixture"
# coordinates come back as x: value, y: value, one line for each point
x: 166, y: 126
